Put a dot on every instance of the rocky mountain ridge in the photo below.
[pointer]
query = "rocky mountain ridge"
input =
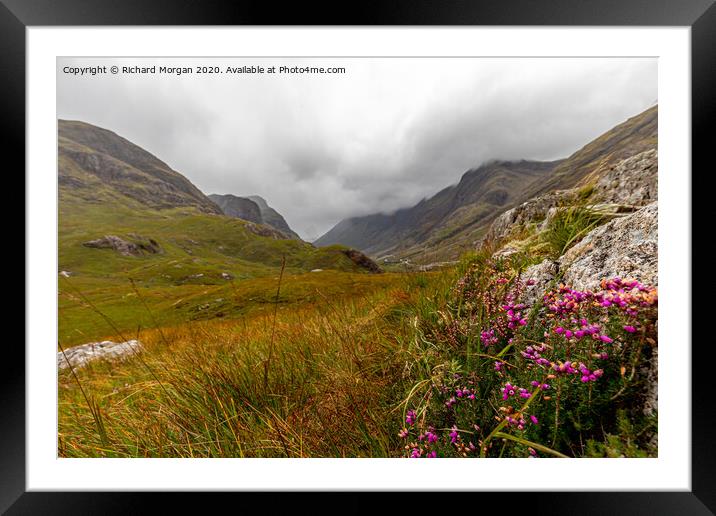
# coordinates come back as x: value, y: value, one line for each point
x: 458, y: 218
x: 254, y: 209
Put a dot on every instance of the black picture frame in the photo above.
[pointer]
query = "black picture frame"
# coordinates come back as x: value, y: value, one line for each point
x: 700, y: 15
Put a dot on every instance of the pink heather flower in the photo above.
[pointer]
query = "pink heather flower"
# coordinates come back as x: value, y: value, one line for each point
x: 453, y: 434
x: 415, y: 453
x: 534, y: 420
x: 498, y: 366
x: 403, y: 433
x: 433, y: 454
x: 410, y: 417
x: 559, y: 330
x: 606, y: 339
x: 630, y: 329
x: 532, y: 451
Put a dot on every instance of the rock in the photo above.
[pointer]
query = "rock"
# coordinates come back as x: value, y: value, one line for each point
x: 125, y: 247
x: 317, y: 270
x: 65, y: 274
x: 79, y: 356
x: 538, y: 279
x: 226, y: 276
x: 632, y: 181
x: 623, y: 188
x: 361, y: 260
x: 533, y: 211
x: 625, y: 247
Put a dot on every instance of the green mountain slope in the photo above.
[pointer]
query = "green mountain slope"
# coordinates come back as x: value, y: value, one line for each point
x: 124, y: 214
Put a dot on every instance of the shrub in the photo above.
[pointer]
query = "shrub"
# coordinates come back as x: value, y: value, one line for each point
x: 510, y: 380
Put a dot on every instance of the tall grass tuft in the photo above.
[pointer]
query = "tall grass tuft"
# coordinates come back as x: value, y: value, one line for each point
x: 568, y: 226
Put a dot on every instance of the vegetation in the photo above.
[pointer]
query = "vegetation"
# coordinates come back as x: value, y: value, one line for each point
x: 413, y: 364
x: 568, y: 226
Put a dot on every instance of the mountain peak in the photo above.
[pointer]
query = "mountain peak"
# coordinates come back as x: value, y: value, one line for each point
x: 254, y: 209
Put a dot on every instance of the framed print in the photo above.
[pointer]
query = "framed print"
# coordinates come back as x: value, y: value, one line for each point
x: 291, y: 251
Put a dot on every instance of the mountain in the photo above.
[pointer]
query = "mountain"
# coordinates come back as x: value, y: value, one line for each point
x: 254, y: 209
x: 239, y: 207
x: 98, y: 165
x: 123, y: 211
x: 480, y: 192
x: 272, y: 217
x: 445, y: 225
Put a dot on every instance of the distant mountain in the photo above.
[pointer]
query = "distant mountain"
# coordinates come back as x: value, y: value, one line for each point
x: 254, y: 209
x: 239, y: 207
x: 97, y: 164
x: 479, y: 193
x: 272, y: 217
x: 450, y: 222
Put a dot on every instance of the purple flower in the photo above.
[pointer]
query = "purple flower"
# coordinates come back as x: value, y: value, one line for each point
x: 410, y: 417
x: 630, y: 329
x: 534, y: 420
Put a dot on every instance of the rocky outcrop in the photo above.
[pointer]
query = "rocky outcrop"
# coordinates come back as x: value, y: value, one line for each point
x: 361, y: 260
x: 632, y: 181
x: 626, y: 247
x: 623, y: 188
x: 533, y: 211
x: 79, y: 356
x: 124, y: 247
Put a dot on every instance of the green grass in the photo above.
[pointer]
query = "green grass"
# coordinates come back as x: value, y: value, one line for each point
x: 568, y: 226
x: 330, y: 389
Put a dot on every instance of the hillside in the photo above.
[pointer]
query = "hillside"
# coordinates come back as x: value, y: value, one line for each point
x: 97, y: 165
x: 451, y: 222
x: 124, y: 214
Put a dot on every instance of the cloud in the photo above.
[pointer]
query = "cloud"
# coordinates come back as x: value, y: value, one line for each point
x: 384, y: 135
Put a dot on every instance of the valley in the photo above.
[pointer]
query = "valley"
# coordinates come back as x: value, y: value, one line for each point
x: 467, y: 325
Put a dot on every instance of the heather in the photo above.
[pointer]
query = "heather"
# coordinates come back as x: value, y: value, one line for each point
x: 565, y: 377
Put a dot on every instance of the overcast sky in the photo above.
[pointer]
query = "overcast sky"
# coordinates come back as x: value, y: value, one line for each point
x: 384, y: 135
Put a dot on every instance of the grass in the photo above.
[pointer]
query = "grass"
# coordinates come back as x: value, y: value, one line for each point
x: 335, y: 376
x: 332, y: 383
x: 568, y: 226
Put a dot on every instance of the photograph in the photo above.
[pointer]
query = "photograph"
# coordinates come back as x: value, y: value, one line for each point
x: 357, y: 257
